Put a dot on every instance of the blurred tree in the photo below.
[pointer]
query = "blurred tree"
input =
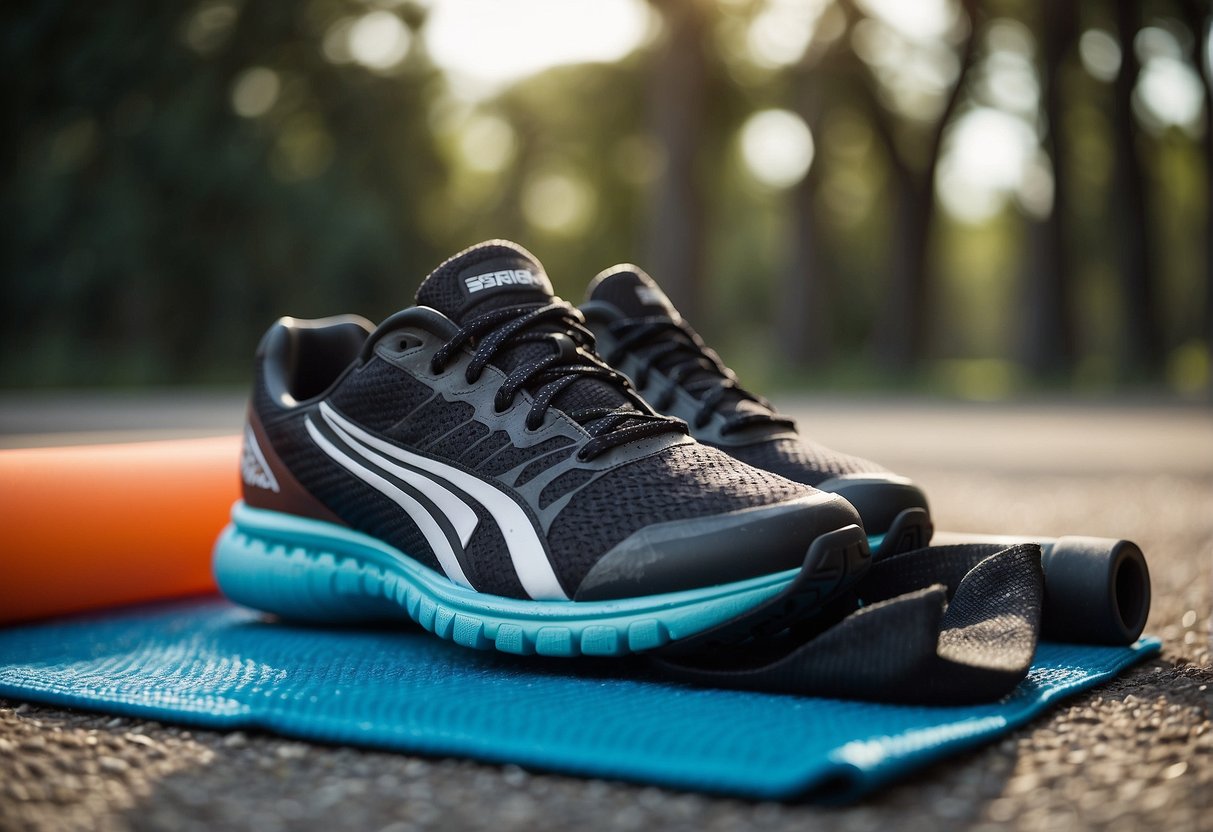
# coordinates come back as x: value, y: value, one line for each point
x: 913, y: 149
x: 803, y: 317
x: 677, y: 102
x: 175, y: 177
x: 1048, y: 338
x: 1199, y: 17
x: 830, y: 79
x: 182, y: 178
x: 581, y: 173
x: 1141, y: 347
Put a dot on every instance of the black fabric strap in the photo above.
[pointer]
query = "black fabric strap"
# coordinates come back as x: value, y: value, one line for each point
x: 943, y: 625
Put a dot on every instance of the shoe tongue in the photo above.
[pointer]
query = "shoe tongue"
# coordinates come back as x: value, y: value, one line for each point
x: 495, y: 274
x: 487, y: 276
x: 630, y: 290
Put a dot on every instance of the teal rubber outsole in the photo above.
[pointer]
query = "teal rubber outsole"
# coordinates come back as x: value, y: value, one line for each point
x: 309, y: 570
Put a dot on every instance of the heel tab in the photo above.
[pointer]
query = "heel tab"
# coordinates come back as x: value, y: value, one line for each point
x: 290, y: 327
x: 301, y: 359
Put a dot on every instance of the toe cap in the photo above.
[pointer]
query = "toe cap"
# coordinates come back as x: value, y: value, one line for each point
x: 718, y: 549
x: 878, y: 498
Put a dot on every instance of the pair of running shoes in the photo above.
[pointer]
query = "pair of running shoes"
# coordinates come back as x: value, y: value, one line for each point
x: 511, y: 471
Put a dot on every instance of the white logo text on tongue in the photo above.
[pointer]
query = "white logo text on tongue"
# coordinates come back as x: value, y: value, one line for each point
x: 506, y: 277
x: 652, y: 297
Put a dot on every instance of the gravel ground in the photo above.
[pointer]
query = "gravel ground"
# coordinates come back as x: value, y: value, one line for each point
x: 1136, y: 753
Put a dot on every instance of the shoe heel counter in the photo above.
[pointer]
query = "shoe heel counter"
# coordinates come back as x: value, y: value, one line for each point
x: 266, y: 481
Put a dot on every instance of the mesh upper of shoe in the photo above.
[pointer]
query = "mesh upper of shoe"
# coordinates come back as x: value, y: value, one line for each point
x: 635, y: 294
x: 804, y: 462
x: 683, y: 481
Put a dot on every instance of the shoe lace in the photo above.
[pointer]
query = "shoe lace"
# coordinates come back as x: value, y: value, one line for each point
x: 672, y: 347
x: 560, y: 325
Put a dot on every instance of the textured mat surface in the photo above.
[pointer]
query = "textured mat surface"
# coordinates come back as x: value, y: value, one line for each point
x: 211, y: 664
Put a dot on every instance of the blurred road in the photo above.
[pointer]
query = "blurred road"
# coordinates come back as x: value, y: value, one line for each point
x: 1134, y: 754
x: 1063, y: 437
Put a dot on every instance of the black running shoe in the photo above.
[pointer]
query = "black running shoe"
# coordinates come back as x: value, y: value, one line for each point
x: 640, y: 333
x: 472, y: 463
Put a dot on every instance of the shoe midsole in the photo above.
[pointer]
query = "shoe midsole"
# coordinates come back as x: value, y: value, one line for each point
x: 254, y: 531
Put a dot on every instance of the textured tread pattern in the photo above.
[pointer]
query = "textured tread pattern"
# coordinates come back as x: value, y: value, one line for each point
x: 347, y: 577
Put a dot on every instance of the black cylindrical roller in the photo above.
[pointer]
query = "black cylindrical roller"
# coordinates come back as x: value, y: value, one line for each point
x: 1097, y: 590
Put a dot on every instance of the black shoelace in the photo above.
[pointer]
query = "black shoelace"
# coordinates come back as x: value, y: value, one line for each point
x: 673, y: 348
x: 561, y: 326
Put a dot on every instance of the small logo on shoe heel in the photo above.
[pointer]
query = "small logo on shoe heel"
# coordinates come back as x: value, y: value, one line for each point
x: 254, y: 470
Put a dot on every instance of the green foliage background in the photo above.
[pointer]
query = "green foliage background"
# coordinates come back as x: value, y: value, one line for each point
x: 151, y: 233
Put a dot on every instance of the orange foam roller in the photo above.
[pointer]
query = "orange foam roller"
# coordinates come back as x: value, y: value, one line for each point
x: 97, y: 525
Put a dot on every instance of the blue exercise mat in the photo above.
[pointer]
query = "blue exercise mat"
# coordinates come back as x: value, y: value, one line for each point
x: 211, y: 664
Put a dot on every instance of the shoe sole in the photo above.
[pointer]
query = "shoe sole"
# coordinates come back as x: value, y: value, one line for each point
x: 834, y: 563
x: 310, y: 570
